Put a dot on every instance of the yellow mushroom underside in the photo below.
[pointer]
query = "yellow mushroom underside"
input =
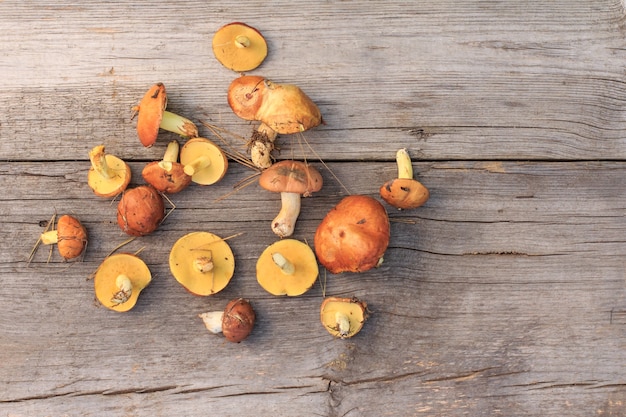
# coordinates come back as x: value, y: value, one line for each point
x: 209, y: 159
x: 239, y: 47
x: 272, y: 278
x: 106, y: 276
x: 197, y: 245
x: 106, y: 186
x: 346, y: 308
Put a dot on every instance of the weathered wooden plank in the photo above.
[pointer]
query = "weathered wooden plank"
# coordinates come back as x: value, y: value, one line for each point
x: 503, y: 301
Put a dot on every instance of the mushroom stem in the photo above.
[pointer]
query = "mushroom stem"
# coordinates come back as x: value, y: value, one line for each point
x: 99, y: 162
x: 261, y: 146
x: 285, y: 222
x: 242, y: 41
x: 178, y: 124
x: 204, y: 263
x: 213, y: 321
x: 286, y: 267
x: 405, y: 168
x: 197, y: 164
x: 170, y: 157
x: 50, y: 237
x: 124, y: 289
x: 343, y: 324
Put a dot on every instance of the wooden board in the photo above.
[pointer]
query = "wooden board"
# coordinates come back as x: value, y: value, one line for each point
x: 505, y: 294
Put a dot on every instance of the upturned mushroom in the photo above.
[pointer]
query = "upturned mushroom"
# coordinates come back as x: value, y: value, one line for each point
x: 353, y: 236
x: 168, y: 175
x: 152, y: 116
x: 202, y: 262
x: 292, y: 179
x: 343, y: 317
x: 281, y: 109
x: 203, y: 161
x: 119, y: 280
x: 140, y: 210
x: 70, y: 236
x: 239, y: 47
x: 235, y: 322
x: 404, y: 192
x: 108, y: 175
x: 287, y: 267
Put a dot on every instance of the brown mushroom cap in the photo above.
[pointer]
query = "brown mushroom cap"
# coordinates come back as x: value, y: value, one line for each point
x: 140, y: 210
x: 151, y: 108
x: 72, y: 237
x: 353, y: 236
x: 284, y: 108
x: 107, y: 291
x: 291, y: 177
x: 238, y: 320
x: 168, y: 180
x: 239, y: 47
x: 404, y: 193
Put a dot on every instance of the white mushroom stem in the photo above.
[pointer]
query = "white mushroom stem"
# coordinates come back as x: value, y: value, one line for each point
x: 262, y: 145
x: 405, y: 168
x: 179, y: 125
x: 197, y: 164
x: 170, y: 157
x: 50, y: 237
x: 286, y: 267
x: 213, y: 321
x: 343, y: 324
x: 204, y: 264
x: 285, y: 222
x: 122, y: 282
x: 99, y: 162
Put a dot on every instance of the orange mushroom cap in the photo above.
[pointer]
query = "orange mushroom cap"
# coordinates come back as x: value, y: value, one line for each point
x: 72, y: 237
x: 151, y: 108
x: 291, y: 177
x: 353, y: 236
x: 404, y: 193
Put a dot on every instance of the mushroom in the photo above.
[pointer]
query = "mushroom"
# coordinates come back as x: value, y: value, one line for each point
x: 287, y: 267
x: 119, y: 279
x: 140, y: 210
x: 281, y: 109
x: 404, y: 192
x: 152, y: 116
x: 235, y: 322
x: 70, y: 237
x: 108, y: 175
x: 168, y: 175
x: 202, y: 262
x: 343, y: 317
x: 203, y: 161
x: 353, y: 236
x: 291, y: 179
x: 239, y: 47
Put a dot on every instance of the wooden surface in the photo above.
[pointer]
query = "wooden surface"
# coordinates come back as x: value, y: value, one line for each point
x: 503, y: 296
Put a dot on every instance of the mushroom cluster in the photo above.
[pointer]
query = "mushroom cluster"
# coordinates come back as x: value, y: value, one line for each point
x: 352, y: 237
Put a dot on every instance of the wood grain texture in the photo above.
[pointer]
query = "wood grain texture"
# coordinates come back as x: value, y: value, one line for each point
x: 504, y: 295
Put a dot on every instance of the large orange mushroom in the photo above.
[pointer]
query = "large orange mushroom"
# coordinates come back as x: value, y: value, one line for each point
x: 353, y: 236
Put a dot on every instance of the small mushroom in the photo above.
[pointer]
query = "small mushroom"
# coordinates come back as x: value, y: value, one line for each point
x: 140, y: 210
x: 281, y: 109
x: 119, y: 280
x: 343, y: 317
x: 404, y: 192
x: 152, y: 116
x: 168, y: 175
x: 287, y: 267
x: 353, y: 236
x: 108, y: 175
x: 70, y: 237
x: 202, y: 262
x: 203, y: 161
x: 291, y: 179
x: 239, y: 47
x: 235, y: 322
